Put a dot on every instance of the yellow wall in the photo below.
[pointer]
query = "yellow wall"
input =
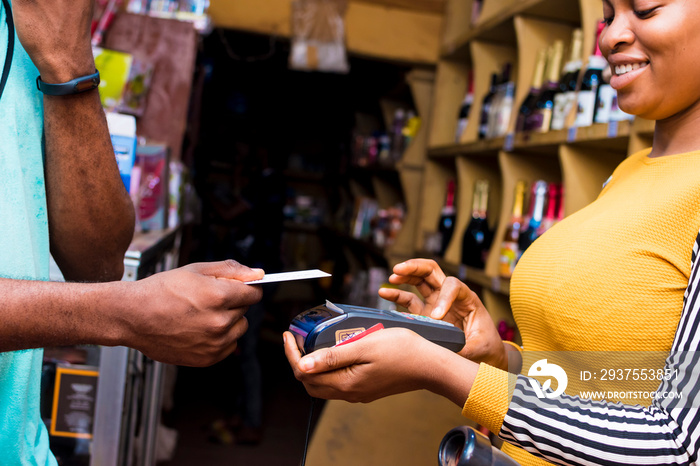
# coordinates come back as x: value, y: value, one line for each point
x: 371, y: 30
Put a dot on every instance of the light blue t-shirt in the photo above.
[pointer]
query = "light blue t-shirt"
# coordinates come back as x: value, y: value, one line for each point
x: 24, y: 251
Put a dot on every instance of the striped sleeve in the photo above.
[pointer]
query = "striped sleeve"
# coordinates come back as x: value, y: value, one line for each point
x: 570, y: 430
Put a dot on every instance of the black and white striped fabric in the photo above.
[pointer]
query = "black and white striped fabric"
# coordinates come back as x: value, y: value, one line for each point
x: 573, y: 431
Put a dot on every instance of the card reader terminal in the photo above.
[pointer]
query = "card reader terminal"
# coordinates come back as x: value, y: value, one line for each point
x: 329, y: 324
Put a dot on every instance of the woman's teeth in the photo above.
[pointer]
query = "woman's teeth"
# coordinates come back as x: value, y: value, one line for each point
x: 624, y: 69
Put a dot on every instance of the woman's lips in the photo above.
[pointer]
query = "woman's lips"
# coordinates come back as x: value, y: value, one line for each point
x: 624, y: 74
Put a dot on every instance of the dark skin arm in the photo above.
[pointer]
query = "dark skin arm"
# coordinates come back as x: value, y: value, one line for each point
x: 449, y: 299
x: 387, y: 362
x: 192, y: 316
x: 91, y: 217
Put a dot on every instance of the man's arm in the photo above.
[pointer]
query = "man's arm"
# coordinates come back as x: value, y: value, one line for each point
x: 191, y: 316
x: 91, y: 217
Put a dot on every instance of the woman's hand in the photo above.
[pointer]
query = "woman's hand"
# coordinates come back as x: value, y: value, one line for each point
x: 387, y: 362
x: 448, y: 299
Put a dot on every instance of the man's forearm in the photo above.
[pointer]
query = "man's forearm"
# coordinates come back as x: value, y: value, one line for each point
x: 38, y: 314
x: 91, y: 216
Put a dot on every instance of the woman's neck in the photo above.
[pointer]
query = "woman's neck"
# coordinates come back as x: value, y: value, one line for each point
x: 677, y: 134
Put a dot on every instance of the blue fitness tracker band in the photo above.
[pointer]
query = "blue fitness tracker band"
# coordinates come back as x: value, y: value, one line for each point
x: 74, y: 86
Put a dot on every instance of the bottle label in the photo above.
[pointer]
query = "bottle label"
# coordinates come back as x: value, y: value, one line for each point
x: 484, y: 121
x: 461, y: 126
x: 586, y: 108
x: 616, y: 114
x: 563, y: 103
x: 545, y: 120
x: 606, y: 95
x: 533, y: 122
x: 509, y: 256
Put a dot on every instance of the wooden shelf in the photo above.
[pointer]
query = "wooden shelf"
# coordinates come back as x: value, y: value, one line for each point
x: 609, y: 134
x: 497, y: 27
x: 482, y: 147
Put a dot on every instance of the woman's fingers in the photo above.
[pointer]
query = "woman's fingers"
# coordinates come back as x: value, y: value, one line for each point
x: 405, y: 299
x: 453, y: 291
x: 424, y: 274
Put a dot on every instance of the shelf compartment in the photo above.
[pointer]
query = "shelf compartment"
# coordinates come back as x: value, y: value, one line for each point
x: 457, y: 22
x: 491, y: 59
x: 533, y: 35
x: 436, y: 176
x: 422, y: 85
x: 470, y: 169
x: 517, y: 166
x: 584, y: 170
x: 411, y: 180
x: 496, y: 22
x: 451, y: 85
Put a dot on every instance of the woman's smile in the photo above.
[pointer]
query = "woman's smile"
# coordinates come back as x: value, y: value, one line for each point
x: 625, y: 70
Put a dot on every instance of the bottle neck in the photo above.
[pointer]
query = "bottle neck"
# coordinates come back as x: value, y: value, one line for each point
x: 518, y: 201
x: 576, y: 47
x: 537, y: 76
x: 450, y: 198
x: 538, y: 209
x: 555, y: 63
x: 560, y: 204
x: 552, y: 202
x: 476, y: 200
x: 484, y: 200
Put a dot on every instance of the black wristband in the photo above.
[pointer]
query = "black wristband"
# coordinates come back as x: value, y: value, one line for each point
x: 74, y: 86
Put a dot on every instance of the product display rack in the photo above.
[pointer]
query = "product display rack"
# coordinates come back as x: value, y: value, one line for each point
x: 129, y: 389
x: 579, y: 158
x: 411, y: 167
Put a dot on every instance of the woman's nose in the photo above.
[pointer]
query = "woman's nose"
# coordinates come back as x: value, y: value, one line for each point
x: 617, y: 34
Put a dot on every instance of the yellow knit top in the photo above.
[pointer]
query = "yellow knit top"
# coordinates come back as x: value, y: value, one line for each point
x: 610, y: 277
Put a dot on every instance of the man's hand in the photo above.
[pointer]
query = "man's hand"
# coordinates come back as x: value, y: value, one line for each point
x: 56, y: 35
x: 190, y: 316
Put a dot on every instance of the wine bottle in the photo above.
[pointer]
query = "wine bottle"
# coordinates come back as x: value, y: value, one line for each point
x: 465, y: 108
x: 502, y: 105
x: 486, y: 107
x: 484, y: 214
x: 565, y: 100
x: 509, y: 245
x: 553, y: 199
x: 477, y: 237
x: 397, y: 139
x: 541, y: 119
x: 529, y: 235
x: 560, y: 205
x: 590, y: 84
x: 530, y: 202
x: 448, y: 216
x: 505, y: 109
x: 530, y: 101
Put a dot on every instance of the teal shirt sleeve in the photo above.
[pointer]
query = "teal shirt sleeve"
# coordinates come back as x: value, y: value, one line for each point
x: 24, y: 251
